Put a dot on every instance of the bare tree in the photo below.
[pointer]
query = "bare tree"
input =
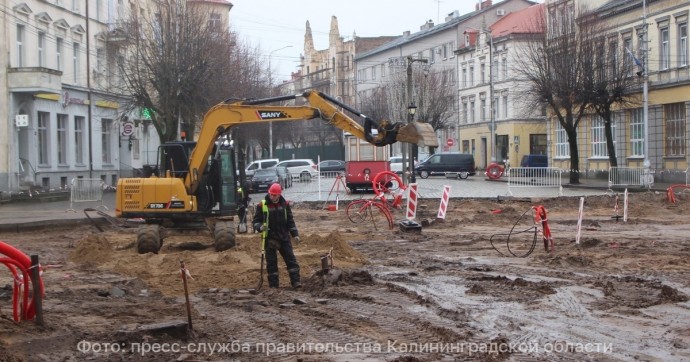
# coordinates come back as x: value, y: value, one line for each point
x: 609, y: 80
x: 176, y: 65
x: 555, y: 66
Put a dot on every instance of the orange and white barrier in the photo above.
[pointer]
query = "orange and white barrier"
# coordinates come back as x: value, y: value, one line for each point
x: 412, y: 202
x: 443, y: 207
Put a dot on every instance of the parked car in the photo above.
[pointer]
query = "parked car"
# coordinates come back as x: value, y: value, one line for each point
x: 285, y: 174
x: 264, y: 178
x: 259, y: 165
x: 300, y: 169
x: 534, y: 161
x: 330, y: 167
x: 447, y: 162
x: 396, y: 164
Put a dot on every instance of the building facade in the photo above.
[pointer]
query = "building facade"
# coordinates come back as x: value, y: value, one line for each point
x: 432, y: 49
x: 60, y: 116
x: 655, y: 38
x: 489, y: 92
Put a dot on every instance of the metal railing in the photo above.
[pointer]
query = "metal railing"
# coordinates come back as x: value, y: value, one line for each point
x: 86, y: 190
x: 631, y: 176
x: 535, y: 177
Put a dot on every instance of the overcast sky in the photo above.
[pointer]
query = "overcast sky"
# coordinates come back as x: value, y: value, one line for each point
x: 274, y: 24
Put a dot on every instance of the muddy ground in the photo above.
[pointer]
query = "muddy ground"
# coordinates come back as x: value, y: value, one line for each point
x: 452, y: 292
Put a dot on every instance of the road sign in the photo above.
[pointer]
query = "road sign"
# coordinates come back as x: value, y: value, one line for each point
x: 127, y: 128
x: 450, y: 142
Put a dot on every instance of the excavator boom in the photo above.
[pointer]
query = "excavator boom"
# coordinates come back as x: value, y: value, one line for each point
x: 223, y: 116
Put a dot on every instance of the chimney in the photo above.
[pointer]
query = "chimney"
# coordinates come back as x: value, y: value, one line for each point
x: 406, y: 33
x: 453, y: 15
x: 486, y: 4
x: 428, y: 25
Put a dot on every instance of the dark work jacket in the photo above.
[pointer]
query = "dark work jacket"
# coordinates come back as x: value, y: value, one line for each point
x: 281, y: 224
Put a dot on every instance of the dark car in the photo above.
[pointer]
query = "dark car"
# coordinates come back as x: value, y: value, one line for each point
x: 264, y: 178
x: 534, y: 161
x: 330, y: 167
x: 285, y: 174
x: 447, y: 162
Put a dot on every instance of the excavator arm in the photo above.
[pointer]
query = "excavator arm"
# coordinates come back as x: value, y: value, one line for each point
x: 219, y: 119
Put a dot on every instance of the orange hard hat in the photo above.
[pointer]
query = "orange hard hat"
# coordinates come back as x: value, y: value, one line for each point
x: 275, y: 189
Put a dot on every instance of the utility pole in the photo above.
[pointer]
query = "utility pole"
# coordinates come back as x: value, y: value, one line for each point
x: 270, y: 89
x: 411, y: 111
x: 645, y: 95
x: 88, y: 88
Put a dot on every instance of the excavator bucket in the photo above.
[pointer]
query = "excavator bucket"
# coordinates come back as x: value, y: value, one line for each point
x: 421, y: 134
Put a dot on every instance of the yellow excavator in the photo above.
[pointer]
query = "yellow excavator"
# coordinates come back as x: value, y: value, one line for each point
x: 195, y: 184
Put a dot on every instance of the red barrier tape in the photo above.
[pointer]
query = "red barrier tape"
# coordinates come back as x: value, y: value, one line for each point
x: 670, y: 194
x: 540, y: 217
x: 16, y: 261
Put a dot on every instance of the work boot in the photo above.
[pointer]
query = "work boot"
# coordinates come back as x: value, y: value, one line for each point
x: 273, y: 281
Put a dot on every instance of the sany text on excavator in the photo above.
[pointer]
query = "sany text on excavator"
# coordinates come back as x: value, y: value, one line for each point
x: 196, y: 187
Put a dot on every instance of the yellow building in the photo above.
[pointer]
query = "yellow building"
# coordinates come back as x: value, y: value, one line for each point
x: 665, y: 55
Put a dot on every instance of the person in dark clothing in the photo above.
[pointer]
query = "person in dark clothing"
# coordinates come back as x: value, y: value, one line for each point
x: 274, y: 217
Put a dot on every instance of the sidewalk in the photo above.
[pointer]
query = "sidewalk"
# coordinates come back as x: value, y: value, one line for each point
x: 29, y: 215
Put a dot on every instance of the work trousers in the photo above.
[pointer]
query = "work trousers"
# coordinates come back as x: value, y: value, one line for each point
x: 288, y: 255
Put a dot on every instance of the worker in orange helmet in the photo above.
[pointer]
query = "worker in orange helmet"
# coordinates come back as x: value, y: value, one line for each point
x: 274, y: 217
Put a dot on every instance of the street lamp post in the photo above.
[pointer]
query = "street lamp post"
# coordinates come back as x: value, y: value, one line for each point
x: 270, y: 88
x: 411, y: 110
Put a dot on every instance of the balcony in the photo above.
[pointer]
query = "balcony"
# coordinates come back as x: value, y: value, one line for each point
x: 34, y: 80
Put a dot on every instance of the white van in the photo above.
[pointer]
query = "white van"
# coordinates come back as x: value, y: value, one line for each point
x: 259, y: 164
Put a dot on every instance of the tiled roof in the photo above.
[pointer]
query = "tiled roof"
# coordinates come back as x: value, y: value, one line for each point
x: 519, y: 22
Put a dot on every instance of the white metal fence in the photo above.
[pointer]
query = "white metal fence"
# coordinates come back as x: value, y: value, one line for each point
x: 631, y: 176
x: 86, y: 190
x: 535, y: 177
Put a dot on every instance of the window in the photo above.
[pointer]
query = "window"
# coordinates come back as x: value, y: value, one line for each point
x: 613, y: 59
x: 482, y: 108
x: 62, y: 138
x: 383, y: 70
x: 505, y: 68
x: 494, y: 70
x: 562, y: 147
x: 20, y: 45
x: 471, y: 110
x: 445, y: 51
x: 505, y: 105
x: 58, y: 53
x: 483, y: 73
x: 627, y: 48
x: 464, y: 76
x: 636, y: 133
x: 664, y: 49
x: 42, y: 139
x: 675, y: 129
x: 373, y: 72
x: 599, y: 137
x: 214, y: 22
x: 471, y: 75
x: 79, y: 139
x: 41, y: 49
x: 465, y: 120
x: 75, y: 61
x: 105, y: 140
x: 683, y: 44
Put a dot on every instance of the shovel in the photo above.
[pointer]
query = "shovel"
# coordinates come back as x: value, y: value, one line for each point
x: 263, y: 255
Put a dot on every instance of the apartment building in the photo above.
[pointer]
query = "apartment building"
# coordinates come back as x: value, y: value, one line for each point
x: 655, y: 38
x: 489, y: 92
x: 60, y: 115
x: 431, y: 49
